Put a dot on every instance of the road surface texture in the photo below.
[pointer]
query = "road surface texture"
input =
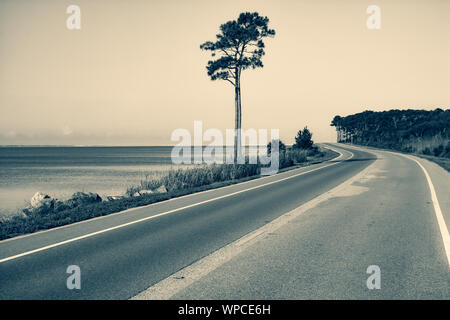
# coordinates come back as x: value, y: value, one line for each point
x: 306, y: 233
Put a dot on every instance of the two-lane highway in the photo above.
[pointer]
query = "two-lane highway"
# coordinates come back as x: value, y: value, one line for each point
x: 380, y: 235
x: 123, y: 254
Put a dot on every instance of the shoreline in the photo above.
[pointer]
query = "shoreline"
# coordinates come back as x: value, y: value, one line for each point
x: 21, y: 224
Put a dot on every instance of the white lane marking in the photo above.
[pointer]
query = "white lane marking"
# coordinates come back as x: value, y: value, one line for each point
x: 160, y: 214
x: 437, y: 210
x: 168, y: 287
x: 165, y: 201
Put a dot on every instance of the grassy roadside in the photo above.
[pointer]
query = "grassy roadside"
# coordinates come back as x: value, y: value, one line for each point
x: 441, y: 161
x: 19, y: 225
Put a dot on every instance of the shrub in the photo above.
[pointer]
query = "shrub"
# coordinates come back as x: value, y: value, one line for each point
x: 303, y: 139
x: 281, y: 146
x: 426, y: 151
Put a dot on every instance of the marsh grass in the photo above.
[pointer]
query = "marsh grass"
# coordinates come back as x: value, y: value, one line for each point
x: 202, y: 175
x: 181, y: 179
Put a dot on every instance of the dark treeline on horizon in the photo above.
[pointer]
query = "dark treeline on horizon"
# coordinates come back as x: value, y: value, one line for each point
x: 417, y: 131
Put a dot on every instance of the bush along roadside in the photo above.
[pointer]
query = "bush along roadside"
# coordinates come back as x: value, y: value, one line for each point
x: 46, y: 212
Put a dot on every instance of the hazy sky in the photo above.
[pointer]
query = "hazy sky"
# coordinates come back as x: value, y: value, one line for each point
x: 134, y: 72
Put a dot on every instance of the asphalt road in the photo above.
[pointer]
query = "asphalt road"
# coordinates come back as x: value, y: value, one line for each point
x: 384, y: 218
x: 321, y: 255
x: 122, y: 262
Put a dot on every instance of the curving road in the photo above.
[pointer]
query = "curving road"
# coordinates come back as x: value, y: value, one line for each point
x: 385, y: 220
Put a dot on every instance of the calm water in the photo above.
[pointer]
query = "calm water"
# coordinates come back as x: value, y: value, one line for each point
x: 61, y: 171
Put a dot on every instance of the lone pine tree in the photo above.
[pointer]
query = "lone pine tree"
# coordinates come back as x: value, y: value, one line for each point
x: 239, y: 46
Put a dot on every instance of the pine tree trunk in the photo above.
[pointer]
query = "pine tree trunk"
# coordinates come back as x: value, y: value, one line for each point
x: 236, y: 121
x: 238, y: 118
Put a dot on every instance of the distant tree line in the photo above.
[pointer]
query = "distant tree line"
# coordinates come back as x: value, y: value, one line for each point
x: 417, y: 131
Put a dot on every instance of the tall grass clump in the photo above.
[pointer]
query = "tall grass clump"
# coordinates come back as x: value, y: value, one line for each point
x: 203, y: 175
x: 180, y: 179
x: 299, y: 156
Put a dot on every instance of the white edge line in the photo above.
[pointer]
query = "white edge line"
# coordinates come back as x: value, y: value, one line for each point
x: 171, y: 285
x: 437, y: 209
x: 164, y: 201
x: 160, y: 214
